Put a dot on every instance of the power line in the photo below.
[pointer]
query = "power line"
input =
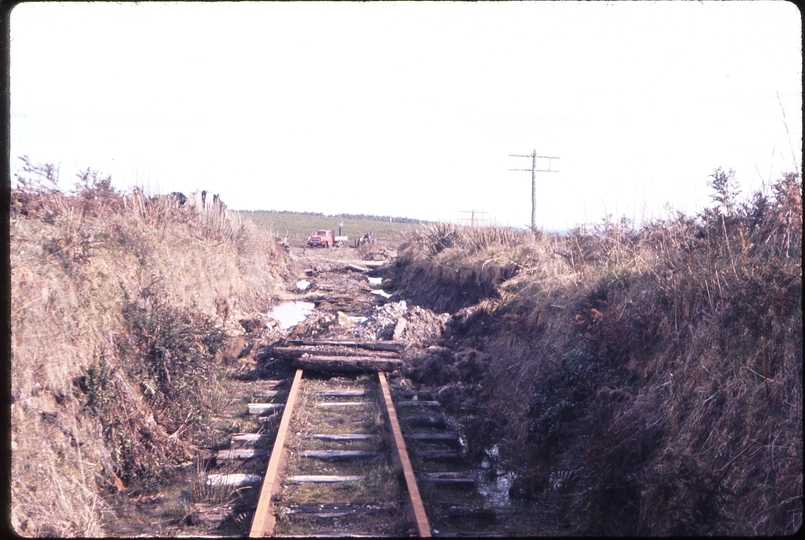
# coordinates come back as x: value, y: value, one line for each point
x: 534, y: 170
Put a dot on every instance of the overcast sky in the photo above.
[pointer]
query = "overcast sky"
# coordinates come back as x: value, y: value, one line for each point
x: 412, y: 109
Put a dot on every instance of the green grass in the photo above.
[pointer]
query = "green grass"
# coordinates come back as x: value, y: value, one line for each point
x: 300, y: 225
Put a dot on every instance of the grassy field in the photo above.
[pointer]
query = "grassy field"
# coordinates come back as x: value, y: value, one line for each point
x: 300, y: 225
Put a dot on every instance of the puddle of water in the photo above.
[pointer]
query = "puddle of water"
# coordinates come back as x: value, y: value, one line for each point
x: 291, y: 313
x: 495, y: 488
x: 302, y: 285
x: 494, y: 483
x: 515, y: 518
x: 378, y: 281
x: 153, y: 515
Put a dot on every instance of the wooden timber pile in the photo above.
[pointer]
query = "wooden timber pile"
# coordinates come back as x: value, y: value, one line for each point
x: 334, y: 356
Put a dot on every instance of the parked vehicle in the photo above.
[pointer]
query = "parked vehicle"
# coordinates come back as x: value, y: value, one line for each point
x: 325, y: 238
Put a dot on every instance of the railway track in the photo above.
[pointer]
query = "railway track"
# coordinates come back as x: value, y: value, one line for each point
x: 339, y: 465
x: 337, y: 443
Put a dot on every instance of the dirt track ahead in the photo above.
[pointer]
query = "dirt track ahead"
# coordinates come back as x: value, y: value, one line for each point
x: 350, y: 306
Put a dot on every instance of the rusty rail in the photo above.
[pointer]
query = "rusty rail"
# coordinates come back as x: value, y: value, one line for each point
x: 264, y: 519
x: 421, y: 519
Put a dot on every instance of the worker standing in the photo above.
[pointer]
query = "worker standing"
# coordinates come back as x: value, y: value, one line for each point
x: 340, y: 226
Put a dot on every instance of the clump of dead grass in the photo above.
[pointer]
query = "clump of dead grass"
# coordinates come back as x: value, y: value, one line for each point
x: 449, y: 267
x: 660, y: 368
x: 119, y: 304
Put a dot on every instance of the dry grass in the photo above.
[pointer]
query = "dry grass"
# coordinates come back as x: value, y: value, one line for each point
x: 659, y: 368
x: 472, y: 262
x: 119, y: 303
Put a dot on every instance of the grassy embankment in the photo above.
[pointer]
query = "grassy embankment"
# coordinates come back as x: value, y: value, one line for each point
x: 121, y: 307
x: 643, y: 381
x: 298, y: 225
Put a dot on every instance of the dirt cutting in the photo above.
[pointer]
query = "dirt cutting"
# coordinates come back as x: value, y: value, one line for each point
x: 346, y: 446
x: 179, y: 369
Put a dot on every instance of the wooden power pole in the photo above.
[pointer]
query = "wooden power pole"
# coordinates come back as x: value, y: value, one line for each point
x: 472, y: 219
x: 534, y: 172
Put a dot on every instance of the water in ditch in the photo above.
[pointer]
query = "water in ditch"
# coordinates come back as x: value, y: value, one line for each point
x: 289, y: 314
x: 514, y: 518
x: 377, y: 281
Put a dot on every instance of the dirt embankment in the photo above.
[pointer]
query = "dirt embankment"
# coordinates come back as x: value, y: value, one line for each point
x: 639, y: 381
x: 124, y: 313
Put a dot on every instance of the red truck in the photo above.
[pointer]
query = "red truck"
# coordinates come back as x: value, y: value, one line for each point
x: 325, y: 238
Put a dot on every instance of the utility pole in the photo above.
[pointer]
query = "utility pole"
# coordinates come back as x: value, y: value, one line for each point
x: 534, y: 170
x: 472, y: 218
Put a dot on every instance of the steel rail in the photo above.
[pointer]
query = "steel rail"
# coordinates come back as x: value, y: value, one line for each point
x: 264, y: 519
x: 421, y: 518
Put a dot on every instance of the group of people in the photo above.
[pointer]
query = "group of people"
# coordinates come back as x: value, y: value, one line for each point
x: 368, y: 237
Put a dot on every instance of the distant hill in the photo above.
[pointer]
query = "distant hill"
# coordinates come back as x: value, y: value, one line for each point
x: 300, y: 224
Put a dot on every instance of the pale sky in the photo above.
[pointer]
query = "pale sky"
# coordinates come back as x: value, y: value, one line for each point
x: 412, y: 109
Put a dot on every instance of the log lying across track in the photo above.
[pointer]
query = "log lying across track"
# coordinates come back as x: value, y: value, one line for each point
x: 347, y: 363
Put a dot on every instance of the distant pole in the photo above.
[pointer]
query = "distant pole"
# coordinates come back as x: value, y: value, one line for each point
x: 534, y: 172
x: 534, y: 192
x: 472, y: 218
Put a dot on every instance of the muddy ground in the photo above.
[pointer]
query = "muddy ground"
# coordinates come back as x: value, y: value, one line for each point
x: 441, y: 356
